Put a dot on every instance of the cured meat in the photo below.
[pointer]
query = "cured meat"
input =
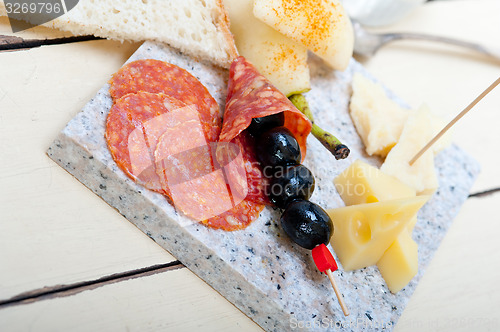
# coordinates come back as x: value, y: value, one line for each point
x: 160, y: 77
x: 199, y: 186
x: 256, y: 181
x: 251, y: 95
x: 167, y: 142
x: 186, y: 171
x: 133, y: 127
x: 237, y: 218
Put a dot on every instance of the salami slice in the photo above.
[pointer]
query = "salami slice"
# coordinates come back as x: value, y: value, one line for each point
x: 160, y: 77
x: 186, y: 171
x: 251, y: 95
x: 133, y: 127
x: 199, y: 186
x: 256, y: 181
x: 237, y: 218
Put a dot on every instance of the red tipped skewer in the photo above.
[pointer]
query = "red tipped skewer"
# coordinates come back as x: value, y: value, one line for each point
x: 326, y: 263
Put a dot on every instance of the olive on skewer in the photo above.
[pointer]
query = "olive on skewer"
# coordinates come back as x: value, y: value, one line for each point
x: 278, y: 147
x: 307, y: 224
x: 258, y: 126
x: 292, y: 182
x: 291, y: 185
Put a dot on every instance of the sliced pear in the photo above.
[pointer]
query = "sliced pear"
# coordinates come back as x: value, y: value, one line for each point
x: 281, y: 60
x: 321, y: 26
x: 362, y: 233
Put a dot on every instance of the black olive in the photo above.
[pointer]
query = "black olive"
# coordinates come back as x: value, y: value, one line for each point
x: 292, y: 182
x: 307, y: 224
x: 278, y: 147
x: 263, y: 124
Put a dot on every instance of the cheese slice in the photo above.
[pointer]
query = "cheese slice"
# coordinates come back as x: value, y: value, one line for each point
x: 362, y: 233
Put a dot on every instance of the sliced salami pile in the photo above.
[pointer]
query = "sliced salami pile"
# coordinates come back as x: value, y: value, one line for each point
x: 162, y: 131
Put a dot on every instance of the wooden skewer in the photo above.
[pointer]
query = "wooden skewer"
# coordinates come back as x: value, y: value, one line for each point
x: 458, y: 117
x: 337, y: 292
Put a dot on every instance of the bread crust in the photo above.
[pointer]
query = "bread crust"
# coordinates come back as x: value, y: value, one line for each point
x: 224, y: 25
x: 226, y: 45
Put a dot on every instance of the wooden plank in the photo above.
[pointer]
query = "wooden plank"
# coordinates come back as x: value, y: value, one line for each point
x: 459, y: 291
x: 448, y: 78
x: 175, y: 300
x: 53, y: 230
x: 36, y: 32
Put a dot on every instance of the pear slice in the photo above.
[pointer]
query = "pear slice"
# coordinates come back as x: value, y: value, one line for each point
x: 281, y: 60
x: 321, y: 26
x: 362, y: 233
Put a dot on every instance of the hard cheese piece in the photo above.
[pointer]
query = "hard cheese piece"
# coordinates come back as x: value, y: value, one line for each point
x: 364, y: 232
x: 421, y: 175
x: 399, y: 264
x: 321, y: 26
x: 378, y: 119
x: 362, y: 183
x: 281, y: 60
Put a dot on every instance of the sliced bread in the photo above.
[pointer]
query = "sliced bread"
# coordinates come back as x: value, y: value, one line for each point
x: 197, y: 27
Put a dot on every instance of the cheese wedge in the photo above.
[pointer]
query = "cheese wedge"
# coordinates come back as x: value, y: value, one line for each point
x: 362, y: 233
x: 421, y: 175
x: 399, y: 264
x: 362, y: 183
x: 378, y: 119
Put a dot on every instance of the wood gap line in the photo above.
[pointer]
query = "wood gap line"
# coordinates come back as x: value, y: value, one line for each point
x: 75, y: 288
x: 21, y: 44
x: 485, y: 193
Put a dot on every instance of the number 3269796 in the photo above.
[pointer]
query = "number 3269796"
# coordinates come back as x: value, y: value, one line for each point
x: 33, y: 8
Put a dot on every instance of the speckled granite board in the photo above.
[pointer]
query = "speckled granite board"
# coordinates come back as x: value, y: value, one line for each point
x: 258, y: 269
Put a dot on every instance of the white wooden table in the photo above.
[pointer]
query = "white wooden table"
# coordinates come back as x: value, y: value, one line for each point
x: 70, y: 262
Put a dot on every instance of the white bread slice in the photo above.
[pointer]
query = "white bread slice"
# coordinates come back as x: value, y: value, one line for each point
x: 197, y: 27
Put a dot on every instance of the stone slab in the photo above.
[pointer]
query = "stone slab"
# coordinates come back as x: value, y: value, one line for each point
x: 258, y: 269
